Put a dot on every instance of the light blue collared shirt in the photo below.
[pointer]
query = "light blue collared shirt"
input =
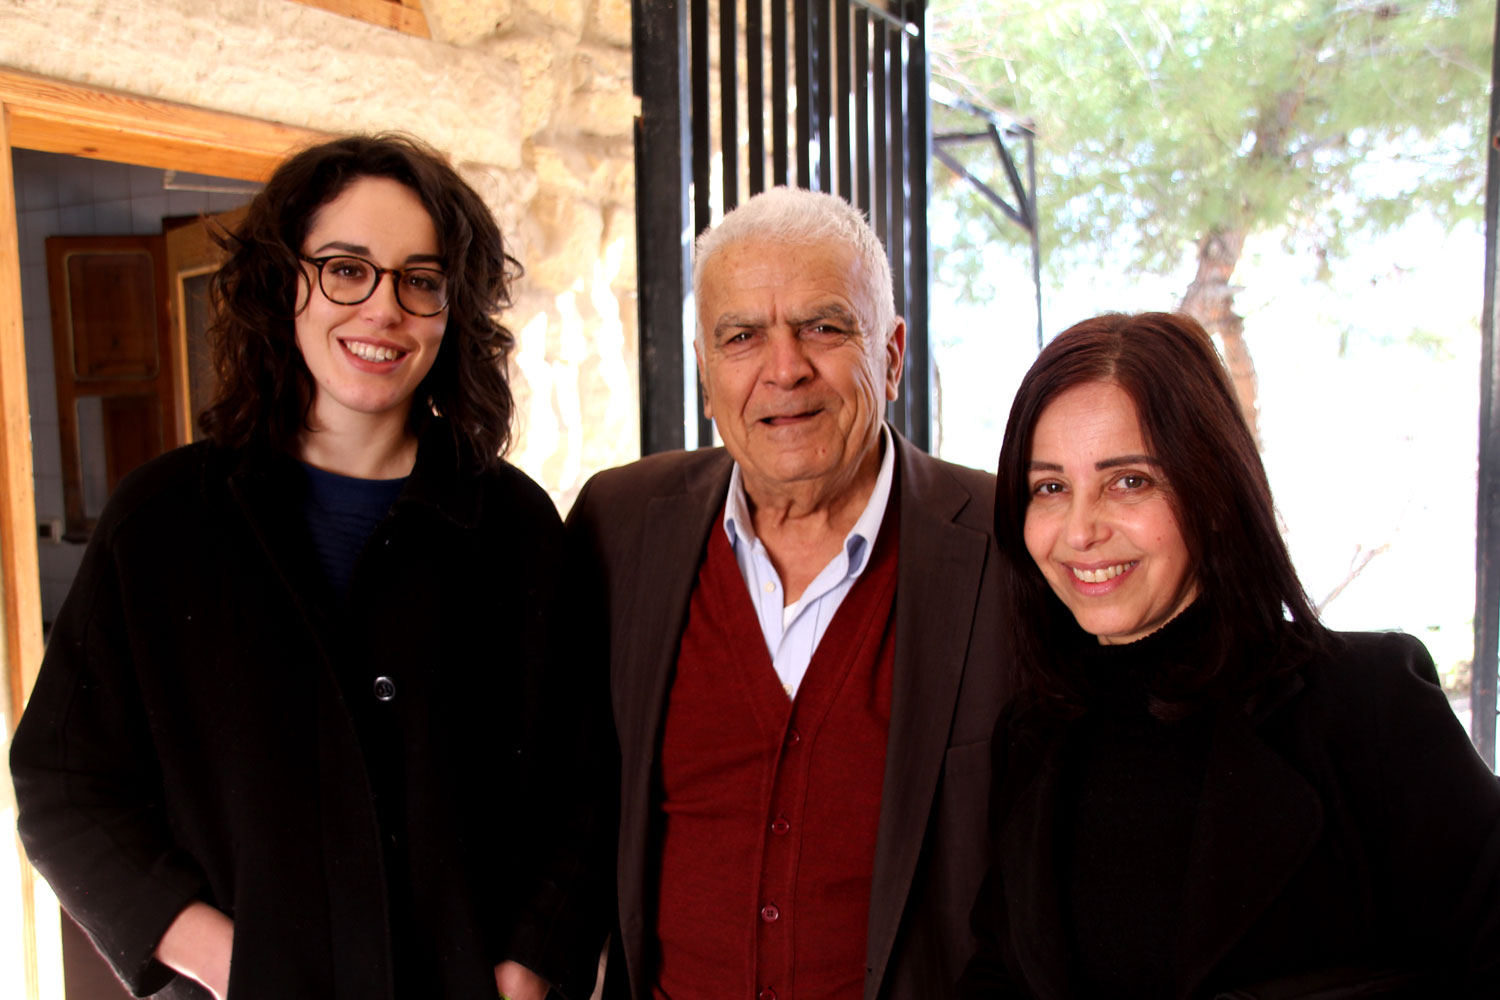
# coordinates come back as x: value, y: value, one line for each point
x: 793, y: 632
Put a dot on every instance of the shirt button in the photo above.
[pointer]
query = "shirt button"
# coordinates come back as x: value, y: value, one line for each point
x: 385, y: 688
x: 769, y: 587
x: 793, y: 737
x: 769, y: 913
x: 780, y: 826
x: 766, y: 993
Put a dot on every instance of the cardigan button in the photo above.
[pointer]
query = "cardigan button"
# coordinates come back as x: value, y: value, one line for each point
x: 780, y: 826
x: 793, y: 737
x: 769, y: 913
x: 385, y: 688
x: 766, y: 993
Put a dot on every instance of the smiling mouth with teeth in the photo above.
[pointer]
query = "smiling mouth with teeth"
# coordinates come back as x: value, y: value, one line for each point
x: 370, y: 352
x: 1107, y: 573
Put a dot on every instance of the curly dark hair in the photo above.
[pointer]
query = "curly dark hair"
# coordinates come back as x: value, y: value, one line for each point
x: 1256, y: 609
x: 264, y: 389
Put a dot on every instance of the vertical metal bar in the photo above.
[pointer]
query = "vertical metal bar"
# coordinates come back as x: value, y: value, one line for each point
x: 880, y: 196
x: 896, y: 241
x: 729, y: 112
x: 1487, y: 539
x: 1036, y: 233
x: 919, y: 144
x: 823, y: 55
x: 841, y: 50
x: 662, y: 139
x: 780, y: 113
x: 806, y: 90
x: 698, y: 24
x: 702, y: 151
x: 755, y: 94
x: 862, y: 108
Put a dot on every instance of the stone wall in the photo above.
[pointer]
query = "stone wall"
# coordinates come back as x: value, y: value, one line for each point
x: 531, y: 98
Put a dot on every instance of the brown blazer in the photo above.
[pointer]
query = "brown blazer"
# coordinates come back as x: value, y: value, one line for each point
x: 640, y: 531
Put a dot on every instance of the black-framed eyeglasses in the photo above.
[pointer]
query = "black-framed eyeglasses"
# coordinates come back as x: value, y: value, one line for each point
x: 347, y: 280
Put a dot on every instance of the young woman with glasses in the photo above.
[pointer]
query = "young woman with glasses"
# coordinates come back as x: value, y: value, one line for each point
x: 295, y: 732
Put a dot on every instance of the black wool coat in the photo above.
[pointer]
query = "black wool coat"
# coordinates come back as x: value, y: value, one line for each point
x: 360, y: 789
x: 1346, y: 831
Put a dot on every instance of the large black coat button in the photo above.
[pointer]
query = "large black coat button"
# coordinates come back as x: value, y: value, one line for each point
x: 385, y: 688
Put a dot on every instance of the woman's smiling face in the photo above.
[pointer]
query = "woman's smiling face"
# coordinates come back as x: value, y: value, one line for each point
x: 1100, y: 523
x: 368, y: 359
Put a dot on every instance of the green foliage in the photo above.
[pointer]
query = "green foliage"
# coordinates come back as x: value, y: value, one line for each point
x: 1159, y: 121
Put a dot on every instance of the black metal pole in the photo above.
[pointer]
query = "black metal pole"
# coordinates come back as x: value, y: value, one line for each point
x: 1036, y: 233
x: 662, y: 142
x: 919, y: 379
x: 1487, y: 535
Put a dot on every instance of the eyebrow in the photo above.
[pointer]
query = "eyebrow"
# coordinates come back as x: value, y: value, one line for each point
x: 1111, y: 463
x: 364, y: 251
x: 758, y: 321
x: 1105, y: 463
x: 830, y: 311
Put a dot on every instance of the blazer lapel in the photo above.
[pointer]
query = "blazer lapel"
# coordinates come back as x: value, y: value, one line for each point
x: 939, y: 569
x: 1258, y: 820
x: 648, y: 630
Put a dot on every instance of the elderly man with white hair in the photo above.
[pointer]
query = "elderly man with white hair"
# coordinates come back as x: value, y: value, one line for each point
x: 805, y: 655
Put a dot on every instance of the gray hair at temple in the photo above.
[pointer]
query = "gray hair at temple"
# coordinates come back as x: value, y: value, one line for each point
x: 799, y: 217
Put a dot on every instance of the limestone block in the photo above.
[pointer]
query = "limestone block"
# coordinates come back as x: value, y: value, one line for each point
x: 602, y: 102
x: 589, y: 170
x: 278, y: 61
x: 537, y: 58
x: 619, y: 229
x: 565, y: 14
x: 611, y: 22
x: 464, y: 22
x: 563, y: 235
x: 508, y: 193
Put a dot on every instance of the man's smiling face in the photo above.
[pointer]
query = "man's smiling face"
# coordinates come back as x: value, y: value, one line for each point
x: 794, y: 377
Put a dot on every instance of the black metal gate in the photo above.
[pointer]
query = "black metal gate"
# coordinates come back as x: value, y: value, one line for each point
x: 832, y: 97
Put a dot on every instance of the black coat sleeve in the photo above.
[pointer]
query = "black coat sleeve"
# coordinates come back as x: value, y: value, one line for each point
x: 572, y: 780
x: 1437, y: 807
x: 89, y: 783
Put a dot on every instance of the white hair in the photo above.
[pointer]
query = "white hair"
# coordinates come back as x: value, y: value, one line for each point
x: 803, y: 218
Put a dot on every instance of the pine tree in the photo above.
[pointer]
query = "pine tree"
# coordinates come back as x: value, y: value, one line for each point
x: 1164, y: 125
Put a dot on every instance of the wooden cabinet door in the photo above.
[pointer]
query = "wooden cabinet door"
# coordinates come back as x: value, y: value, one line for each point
x: 112, y: 355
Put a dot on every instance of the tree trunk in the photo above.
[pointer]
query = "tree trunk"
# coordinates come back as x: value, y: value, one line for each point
x: 1210, y: 300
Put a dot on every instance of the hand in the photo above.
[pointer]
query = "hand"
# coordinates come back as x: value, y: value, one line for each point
x: 198, y: 944
x: 516, y: 982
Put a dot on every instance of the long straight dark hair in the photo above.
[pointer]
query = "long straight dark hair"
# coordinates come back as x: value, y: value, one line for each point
x: 265, y: 391
x: 1259, y: 618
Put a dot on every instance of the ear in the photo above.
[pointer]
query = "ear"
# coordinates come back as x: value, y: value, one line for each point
x: 708, y: 409
x: 895, y: 356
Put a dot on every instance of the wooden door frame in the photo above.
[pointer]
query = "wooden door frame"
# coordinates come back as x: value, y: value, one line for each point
x: 55, y: 116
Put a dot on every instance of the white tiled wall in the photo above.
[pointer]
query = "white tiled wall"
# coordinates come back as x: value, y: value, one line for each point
x: 68, y: 196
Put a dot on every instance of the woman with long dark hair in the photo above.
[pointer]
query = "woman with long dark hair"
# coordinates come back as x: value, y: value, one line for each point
x: 295, y: 721
x: 1202, y: 791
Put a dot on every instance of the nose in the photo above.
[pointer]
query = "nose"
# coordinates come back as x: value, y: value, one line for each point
x: 381, y: 307
x: 787, y: 365
x: 1085, y: 525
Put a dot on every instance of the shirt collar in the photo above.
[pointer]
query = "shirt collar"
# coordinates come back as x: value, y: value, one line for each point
x: 861, y: 538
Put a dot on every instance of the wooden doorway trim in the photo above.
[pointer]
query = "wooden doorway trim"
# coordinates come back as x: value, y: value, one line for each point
x: 58, y: 117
